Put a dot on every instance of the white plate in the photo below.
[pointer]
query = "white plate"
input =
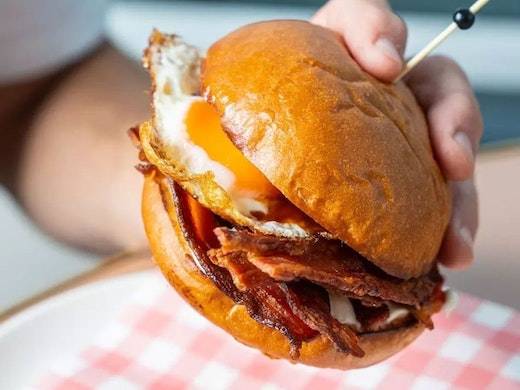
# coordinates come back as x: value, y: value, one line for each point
x: 60, y: 326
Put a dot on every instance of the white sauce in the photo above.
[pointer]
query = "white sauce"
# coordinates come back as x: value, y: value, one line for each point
x: 395, y: 312
x: 342, y: 310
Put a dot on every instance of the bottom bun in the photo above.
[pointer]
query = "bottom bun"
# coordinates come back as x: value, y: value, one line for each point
x: 173, y: 255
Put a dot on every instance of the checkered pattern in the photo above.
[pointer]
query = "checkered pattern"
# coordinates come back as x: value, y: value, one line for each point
x: 158, y: 342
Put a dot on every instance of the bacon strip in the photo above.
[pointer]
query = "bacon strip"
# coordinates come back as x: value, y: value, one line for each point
x: 434, y: 305
x: 371, y: 319
x: 310, y: 303
x: 422, y: 317
x: 305, y: 300
x: 326, y: 262
x: 245, y: 275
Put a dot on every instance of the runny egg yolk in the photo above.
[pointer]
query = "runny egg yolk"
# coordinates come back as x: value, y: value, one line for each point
x: 204, y: 129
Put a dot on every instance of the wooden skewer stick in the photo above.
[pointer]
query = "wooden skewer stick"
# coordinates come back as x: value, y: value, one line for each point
x: 477, y: 5
x: 422, y: 54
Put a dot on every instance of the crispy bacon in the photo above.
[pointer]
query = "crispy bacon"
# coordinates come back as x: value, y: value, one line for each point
x: 436, y: 301
x: 372, y: 318
x: 423, y: 317
x: 310, y: 303
x: 264, y: 304
x: 326, y: 262
x: 271, y: 308
x: 244, y: 274
x: 371, y: 314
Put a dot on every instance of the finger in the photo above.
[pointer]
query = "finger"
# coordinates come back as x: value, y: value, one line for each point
x: 456, y: 126
x: 457, y: 248
x: 375, y: 36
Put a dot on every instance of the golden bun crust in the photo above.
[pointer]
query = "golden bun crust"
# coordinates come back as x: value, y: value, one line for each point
x: 172, y: 254
x: 350, y: 151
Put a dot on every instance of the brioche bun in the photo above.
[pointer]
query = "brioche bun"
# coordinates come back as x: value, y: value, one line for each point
x: 352, y: 152
x: 173, y: 255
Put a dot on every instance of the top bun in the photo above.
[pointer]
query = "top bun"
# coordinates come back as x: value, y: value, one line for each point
x: 350, y: 151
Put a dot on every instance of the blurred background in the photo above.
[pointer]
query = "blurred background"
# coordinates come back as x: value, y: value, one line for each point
x: 489, y: 52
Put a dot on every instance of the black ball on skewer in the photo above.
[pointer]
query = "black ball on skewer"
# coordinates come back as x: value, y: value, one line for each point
x: 464, y: 18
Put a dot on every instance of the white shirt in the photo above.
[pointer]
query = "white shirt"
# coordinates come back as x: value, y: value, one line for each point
x: 39, y: 36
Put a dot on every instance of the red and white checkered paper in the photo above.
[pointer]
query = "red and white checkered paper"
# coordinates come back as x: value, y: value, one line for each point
x: 159, y: 342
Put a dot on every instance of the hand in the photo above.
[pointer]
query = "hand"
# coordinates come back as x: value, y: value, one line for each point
x: 376, y: 38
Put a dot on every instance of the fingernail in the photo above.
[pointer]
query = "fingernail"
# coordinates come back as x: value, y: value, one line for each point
x: 387, y: 47
x: 464, y: 143
x: 466, y: 236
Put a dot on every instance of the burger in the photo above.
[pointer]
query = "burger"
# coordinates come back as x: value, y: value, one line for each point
x: 290, y: 197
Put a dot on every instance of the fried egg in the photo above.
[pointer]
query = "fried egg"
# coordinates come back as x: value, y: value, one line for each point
x: 185, y: 141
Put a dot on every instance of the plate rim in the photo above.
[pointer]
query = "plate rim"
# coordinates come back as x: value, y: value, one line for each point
x: 30, y: 312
